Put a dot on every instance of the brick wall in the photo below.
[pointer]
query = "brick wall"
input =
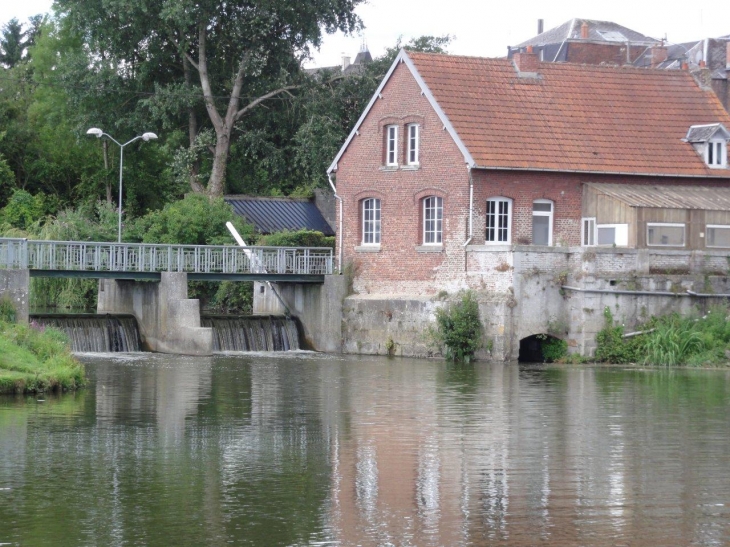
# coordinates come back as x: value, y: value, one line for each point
x: 399, y: 266
x: 594, y: 54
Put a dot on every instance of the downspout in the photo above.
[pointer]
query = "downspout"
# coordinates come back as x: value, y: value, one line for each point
x: 339, y: 231
x: 471, y: 209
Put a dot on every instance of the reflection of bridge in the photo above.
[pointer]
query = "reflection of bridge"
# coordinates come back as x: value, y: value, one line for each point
x: 144, y: 261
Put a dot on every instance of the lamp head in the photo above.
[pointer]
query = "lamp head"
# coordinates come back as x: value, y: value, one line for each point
x: 95, y: 131
x: 149, y: 137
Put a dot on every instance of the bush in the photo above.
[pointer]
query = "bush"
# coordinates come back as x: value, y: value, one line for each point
x: 23, y: 209
x: 459, y: 328
x: 7, y: 310
x: 611, y: 347
x: 298, y: 238
x: 554, y: 349
x: 194, y: 220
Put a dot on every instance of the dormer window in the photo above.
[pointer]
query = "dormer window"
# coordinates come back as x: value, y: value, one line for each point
x: 717, y: 154
x: 710, y: 142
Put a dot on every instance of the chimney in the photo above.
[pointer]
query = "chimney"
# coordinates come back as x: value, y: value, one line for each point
x: 727, y: 55
x: 345, y: 62
x: 527, y: 61
x: 584, y: 31
x: 540, y: 26
x: 658, y: 54
x: 703, y: 76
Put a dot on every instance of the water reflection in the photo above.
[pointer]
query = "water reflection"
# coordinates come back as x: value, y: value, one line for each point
x: 312, y: 450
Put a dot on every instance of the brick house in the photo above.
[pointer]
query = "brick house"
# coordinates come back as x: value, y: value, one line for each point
x: 458, y: 154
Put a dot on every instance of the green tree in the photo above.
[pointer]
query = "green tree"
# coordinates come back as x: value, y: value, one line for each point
x: 241, y: 53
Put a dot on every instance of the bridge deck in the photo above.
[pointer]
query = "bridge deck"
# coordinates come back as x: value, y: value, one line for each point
x: 145, y: 261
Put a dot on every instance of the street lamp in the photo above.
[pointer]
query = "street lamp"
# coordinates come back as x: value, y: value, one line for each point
x: 145, y: 137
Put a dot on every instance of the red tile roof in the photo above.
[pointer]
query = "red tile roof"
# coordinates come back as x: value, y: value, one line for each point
x: 574, y: 117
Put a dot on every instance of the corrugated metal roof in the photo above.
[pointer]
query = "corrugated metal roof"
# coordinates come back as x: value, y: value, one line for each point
x: 708, y: 198
x: 269, y: 215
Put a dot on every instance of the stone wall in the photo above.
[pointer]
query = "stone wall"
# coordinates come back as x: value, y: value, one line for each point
x: 521, y: 292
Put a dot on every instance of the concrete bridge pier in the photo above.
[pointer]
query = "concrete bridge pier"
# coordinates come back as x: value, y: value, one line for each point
x: 317, y: 306
x: 169, y: 322
x: 15, y: 286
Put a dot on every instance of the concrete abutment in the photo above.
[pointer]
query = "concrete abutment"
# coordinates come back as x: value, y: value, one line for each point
x: 169, y: 322
x: 15, y: 286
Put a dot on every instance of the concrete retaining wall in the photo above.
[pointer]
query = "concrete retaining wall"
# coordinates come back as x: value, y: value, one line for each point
x: 318, y: 308
x: 520, y: 294
x: 169, y: 322
x: 15, y: 285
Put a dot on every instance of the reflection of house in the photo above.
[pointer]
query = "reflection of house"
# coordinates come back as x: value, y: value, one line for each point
x: 276, y: 214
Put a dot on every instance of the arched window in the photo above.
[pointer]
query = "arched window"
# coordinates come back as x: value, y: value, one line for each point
x: 542, y: 222
x: 433, y: 218
x: 499, y: 220
x: 371, y: 221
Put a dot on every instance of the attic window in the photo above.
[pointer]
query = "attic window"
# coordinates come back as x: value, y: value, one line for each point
x: 710, y: 142
x: 716, y: 154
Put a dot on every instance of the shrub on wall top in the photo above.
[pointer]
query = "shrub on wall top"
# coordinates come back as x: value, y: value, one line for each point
x: 459, y: 328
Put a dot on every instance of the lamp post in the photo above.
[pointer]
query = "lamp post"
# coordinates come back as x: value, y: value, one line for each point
x: 145, y: 137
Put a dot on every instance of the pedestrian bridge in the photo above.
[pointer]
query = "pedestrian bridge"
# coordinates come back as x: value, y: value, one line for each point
x: 146, y: 261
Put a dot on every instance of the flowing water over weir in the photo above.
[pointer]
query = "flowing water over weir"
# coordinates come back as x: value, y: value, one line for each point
x: 258, y: 333
x: 95, y: 333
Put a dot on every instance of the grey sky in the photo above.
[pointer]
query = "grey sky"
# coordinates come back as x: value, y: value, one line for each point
x: 486, y: 28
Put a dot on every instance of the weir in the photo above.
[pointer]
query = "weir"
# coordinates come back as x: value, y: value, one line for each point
x: 245, y: 333
x: 94, y: 333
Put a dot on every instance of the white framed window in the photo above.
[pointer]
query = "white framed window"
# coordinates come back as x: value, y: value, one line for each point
x: 371, y: 221
x: 542, y: 222
x: 716, y: 154
x: 413, y: 132
x: 612, y: 234
x: 660, y: 234
x: 717, y: 236
x: 391, y: 145
x: 499, y: 220
x: 588, y: 232
x: 433, y: 218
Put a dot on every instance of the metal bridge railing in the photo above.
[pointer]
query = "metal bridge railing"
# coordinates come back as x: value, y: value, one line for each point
x: 139, y: 257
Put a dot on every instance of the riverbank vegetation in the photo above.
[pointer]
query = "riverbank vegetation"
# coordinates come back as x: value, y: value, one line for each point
x: 668, y: 340
x: 35, y: 359
x: 459, y: 328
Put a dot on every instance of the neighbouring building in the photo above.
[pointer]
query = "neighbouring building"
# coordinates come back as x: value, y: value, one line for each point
x: 277, y: 214
x: 587, y: 41
x: 542, y: 186
x: 604, y: 42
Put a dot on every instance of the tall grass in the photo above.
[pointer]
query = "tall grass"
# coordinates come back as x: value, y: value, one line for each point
x: 669, y: 340
x: 35, y: 359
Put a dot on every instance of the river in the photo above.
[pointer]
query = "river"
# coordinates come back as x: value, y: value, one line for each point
x: 309, y: 449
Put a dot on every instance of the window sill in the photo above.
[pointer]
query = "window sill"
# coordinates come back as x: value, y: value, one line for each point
x: 388, y: 167
x: 367, y: 249
x: 429, y: 248
x: 411, y: 167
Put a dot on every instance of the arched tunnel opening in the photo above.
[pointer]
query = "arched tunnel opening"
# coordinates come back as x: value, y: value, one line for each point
x: 532, y: 348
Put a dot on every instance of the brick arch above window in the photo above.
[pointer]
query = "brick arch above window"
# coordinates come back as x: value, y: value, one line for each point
x: 369, y: 193
x: 400, y: 121
x: 427, y: 192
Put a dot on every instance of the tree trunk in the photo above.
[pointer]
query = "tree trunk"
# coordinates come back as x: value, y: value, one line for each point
x: 217, y: 181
